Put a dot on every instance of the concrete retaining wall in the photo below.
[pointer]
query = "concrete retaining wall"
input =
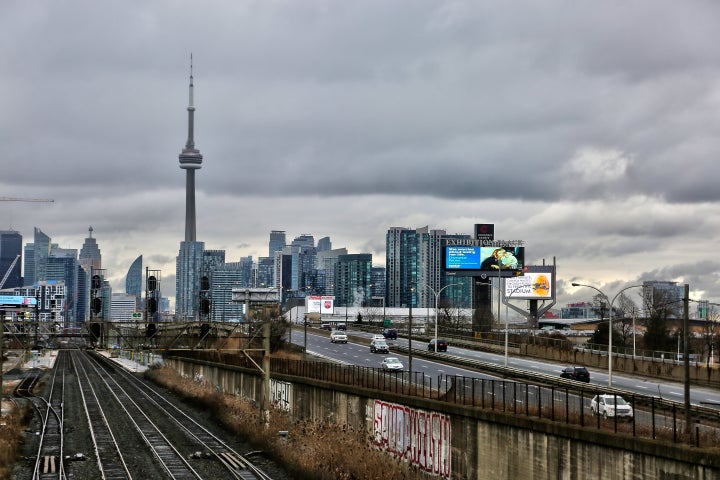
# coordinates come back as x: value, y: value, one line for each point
x: 454, y: 441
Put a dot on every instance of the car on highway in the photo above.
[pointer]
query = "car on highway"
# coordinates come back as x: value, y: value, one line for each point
x: 325, y: 326
x: 611, y: 406
x: 379, y: 346
x: 392, y: 364
x: 378, y: 337
x: 338, y: 336
x: 576, y: 373
x: 390, y: 334
x: 442, y: 345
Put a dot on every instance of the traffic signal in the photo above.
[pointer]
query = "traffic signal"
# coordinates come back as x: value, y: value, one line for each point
x: 95, y: 330
x: 151, y: 283
x: 204, y: 284
x: 152, y: 305
x: 204, y: 329
x: 96, y: 282
x: 204, y: 306
x: 96, y: 305
x: 151, y: 330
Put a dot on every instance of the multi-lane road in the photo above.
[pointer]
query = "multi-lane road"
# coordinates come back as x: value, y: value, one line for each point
x: 359, y: 354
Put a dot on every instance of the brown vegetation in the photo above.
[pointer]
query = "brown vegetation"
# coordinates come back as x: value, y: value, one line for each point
x: 12, y: 426
x: 311, y: 450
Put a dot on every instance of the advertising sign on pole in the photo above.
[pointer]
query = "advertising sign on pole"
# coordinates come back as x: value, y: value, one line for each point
x: 324, y: 304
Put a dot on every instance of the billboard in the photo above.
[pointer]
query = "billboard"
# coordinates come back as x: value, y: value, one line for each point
x: 17, y: 301
x: 474, y: 260
x: 324, y: 304
x: 531, y: 286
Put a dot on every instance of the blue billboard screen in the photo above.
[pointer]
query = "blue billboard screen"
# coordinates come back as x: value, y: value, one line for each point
x: 470, y: 259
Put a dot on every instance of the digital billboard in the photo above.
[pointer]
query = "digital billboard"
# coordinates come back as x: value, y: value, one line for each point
x: 17, y: 301
x: 474, y: 260
x: 531, y: 286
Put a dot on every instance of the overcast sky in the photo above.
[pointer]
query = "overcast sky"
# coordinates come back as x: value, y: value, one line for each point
x: 590, y: 130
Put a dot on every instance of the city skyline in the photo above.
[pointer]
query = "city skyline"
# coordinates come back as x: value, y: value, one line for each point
x: 589, y: 133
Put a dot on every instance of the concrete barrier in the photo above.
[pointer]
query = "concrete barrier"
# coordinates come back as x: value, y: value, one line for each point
x: 461, y: 442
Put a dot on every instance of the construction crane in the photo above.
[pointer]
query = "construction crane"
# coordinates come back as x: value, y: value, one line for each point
x: 7, y: 274
x: 17, y: 199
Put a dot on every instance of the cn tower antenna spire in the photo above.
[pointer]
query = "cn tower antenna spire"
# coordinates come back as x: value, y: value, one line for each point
x: 190, y: 160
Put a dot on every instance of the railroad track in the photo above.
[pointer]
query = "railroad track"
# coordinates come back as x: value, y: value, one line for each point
x: 49, y: 457
x: 154, y: 417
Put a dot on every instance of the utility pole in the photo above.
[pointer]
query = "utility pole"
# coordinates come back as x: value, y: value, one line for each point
x: 686, y: 356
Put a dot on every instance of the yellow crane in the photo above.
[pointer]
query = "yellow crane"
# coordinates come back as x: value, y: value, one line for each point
x: 17, y: 199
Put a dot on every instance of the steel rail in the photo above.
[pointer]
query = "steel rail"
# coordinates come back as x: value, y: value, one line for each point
x: 238, y: 465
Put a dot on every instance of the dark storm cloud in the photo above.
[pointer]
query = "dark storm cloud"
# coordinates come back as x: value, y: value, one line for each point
x: 588, y: 129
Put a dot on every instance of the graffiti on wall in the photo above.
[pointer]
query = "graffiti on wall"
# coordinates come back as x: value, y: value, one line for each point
x: 418, y: 436
x: 280, y: 394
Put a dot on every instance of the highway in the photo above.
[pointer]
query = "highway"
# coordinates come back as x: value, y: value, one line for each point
x: 359, y: 354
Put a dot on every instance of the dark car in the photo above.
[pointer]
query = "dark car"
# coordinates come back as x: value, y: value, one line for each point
x: 441, y: 345
x: 379, y: 346
x: 576, y: 373
x: 390, y: 334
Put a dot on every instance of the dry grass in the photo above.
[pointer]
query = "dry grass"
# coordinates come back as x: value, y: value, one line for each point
x: 317, y: 451
x: 11, y: 432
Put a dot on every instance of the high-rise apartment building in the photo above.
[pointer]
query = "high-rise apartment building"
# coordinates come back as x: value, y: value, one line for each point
x: 277, y: 242
x: 189, y: 266
x: 353, y: 275
x: 223, y: 279
x: 29, y: 264
x: 324, y: 244
x: 414, y: 273
x: 401, y: 264
x: 11, y: 258
x: 324, y: 282
x: 378, y: 282
x: 264, y: 272
x: 63, y: 266
x: 41, y: 251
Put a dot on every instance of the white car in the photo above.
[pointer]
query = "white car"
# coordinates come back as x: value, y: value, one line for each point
x: 378, y: 337
x: 338, y: 336
x: 392, y: 364
x: 610, y: 406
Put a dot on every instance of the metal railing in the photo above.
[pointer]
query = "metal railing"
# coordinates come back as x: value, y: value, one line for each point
x: 564, y: 401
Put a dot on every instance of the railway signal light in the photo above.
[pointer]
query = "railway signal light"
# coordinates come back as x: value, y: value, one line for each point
x: 204, y: 329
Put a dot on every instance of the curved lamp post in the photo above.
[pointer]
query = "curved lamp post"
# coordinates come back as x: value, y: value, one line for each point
x: 437, y: 298
x: 610, y: 316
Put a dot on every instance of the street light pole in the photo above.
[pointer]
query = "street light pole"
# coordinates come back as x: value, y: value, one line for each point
x: 610, y: 318
x: 507, y: 322
x: 410, y: 337
x: 437, y: 298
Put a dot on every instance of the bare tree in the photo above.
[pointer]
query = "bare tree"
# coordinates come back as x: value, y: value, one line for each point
x: 710, y: 334
x: 661, y: 309
x: 451, y: 316
x: 624, y: 313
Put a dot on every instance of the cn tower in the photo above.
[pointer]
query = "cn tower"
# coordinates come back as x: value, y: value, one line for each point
x: 190, y: 160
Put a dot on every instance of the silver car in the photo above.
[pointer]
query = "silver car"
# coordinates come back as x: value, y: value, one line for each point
x: 392, y: 364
